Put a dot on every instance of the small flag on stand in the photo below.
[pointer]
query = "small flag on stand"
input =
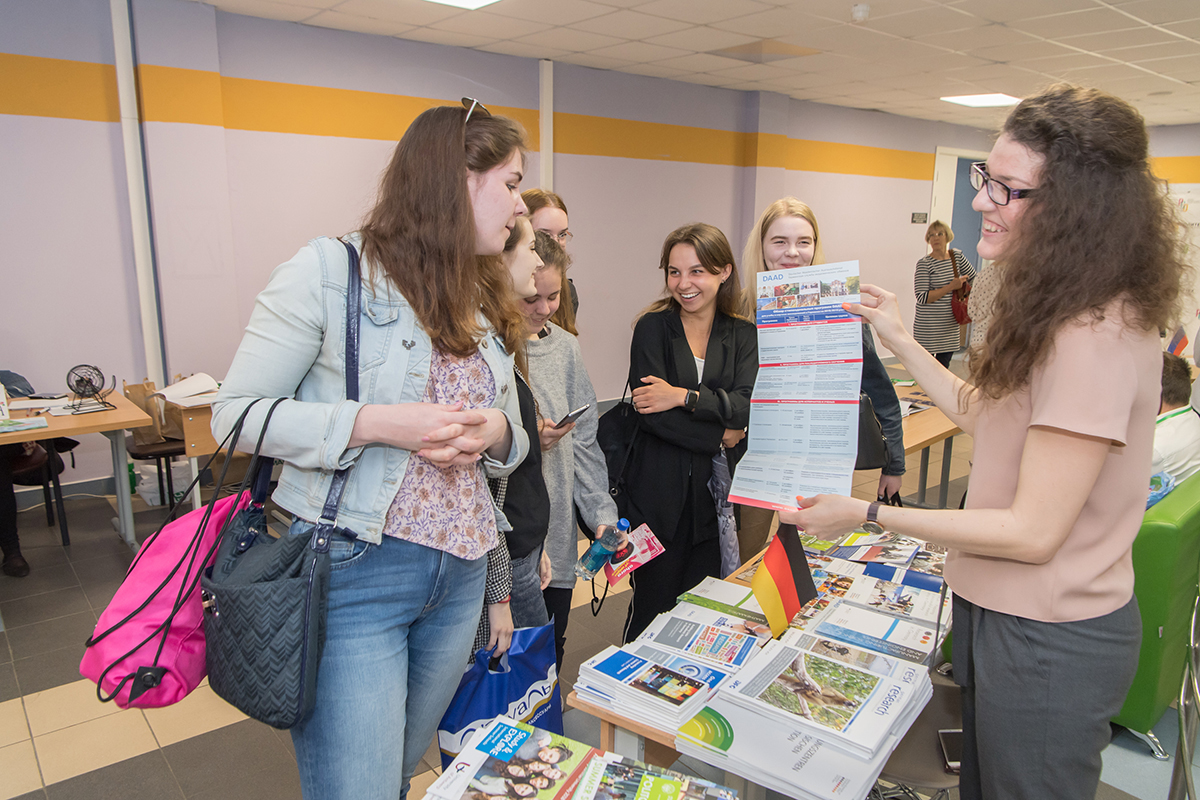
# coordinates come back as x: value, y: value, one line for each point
x: 783, y: 583
x: 1179, y: 342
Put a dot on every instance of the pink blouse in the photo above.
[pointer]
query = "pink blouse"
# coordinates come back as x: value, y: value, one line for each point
x: 448, y: 509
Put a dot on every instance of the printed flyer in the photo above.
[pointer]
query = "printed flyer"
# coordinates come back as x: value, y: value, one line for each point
x: 803, y: 436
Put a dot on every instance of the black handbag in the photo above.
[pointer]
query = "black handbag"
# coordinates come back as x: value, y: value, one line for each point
x: 872, y: 444
x: 616, y: 433
x: 265, y: 598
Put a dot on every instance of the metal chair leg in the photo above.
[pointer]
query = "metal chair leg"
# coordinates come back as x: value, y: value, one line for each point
x: 1156, y: 748
x: 46, y: 497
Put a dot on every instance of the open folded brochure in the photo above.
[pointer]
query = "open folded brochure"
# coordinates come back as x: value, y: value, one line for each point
x: 852, y: 709
x: 507, y: 759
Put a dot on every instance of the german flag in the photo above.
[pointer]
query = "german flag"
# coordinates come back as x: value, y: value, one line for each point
x: 783, y: 584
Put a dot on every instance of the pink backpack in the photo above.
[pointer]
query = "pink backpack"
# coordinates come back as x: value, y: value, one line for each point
x: 148, y: 648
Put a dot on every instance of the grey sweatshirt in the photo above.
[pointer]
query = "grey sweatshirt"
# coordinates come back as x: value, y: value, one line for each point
x: 574, y: 468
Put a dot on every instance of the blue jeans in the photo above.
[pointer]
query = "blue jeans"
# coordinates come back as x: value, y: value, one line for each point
x: 527, y: 604
x: 401, y: 621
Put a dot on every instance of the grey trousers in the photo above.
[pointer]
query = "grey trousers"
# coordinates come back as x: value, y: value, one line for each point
x: 1037, y: 699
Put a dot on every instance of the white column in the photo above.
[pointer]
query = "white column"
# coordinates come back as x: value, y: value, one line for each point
x: 546, y: 123
x: 135, y: 179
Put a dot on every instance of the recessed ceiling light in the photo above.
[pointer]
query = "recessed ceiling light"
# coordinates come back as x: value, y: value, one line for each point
x: 983, y: 100
x: 470, y: 5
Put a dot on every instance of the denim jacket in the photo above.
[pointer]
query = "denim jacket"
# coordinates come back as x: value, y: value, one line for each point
x: 294, y: 347
x: 878, y: 385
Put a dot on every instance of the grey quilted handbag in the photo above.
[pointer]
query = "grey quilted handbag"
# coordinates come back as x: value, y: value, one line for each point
x: 265, y: 597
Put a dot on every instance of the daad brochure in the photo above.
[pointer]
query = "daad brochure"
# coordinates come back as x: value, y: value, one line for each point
x: 803, y: 436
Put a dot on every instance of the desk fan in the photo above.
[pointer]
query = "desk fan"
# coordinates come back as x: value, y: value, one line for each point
x: 87, y: 383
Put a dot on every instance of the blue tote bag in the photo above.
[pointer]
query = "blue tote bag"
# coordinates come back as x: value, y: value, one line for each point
x: 523, y: 685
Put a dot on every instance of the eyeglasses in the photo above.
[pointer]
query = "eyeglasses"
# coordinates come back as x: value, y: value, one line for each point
x: 471, y: 105
x: 998, y: 192
x: 563, y: 237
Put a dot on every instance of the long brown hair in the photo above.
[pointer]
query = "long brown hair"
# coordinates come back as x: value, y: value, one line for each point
x: 555, y: 257
x: 497, y: 280
x: 1098, y: 228
x: 714, y: 252
x: 421, y: 231
x: 752, y: 255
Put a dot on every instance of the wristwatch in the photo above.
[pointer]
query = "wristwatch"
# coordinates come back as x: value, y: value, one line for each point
x: 689, y: 402
x: 872, y: 524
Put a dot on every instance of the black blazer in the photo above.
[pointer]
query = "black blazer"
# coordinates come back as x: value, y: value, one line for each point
x: 674, y: 449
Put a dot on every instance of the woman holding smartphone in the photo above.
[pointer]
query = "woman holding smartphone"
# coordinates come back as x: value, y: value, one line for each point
x: 1061, y: 401
x: 692, y: 365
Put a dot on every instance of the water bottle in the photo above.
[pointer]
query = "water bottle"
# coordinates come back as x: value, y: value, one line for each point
x: 601, y: 550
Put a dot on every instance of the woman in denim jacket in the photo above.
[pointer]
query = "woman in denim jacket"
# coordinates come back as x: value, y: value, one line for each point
x: 438, y: 415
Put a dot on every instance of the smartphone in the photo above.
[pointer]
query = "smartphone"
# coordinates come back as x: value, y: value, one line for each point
x: 574, y: 415
x: 952, y: 742
x: 48, y: 396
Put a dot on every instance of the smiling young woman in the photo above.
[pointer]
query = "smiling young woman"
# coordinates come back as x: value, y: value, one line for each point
x: 692, y: 365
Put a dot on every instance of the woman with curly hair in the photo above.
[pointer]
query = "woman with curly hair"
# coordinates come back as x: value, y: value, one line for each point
x: 1061, y: 401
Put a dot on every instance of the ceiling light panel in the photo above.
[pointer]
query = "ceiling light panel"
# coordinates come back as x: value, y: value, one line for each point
x: 469, y: 5
x: 983, y: 100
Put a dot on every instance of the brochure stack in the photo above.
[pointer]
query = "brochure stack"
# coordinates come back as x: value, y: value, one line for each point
x: 665, y: 676
x: 509, y: 759
x: 808, y: 725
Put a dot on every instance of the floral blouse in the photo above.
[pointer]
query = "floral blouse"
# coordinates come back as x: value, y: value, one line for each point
x: 448, y: 509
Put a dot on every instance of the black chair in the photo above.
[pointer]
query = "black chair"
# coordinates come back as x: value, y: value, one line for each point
x: 160, y: 453
x: 917, y: 762
x: 41, y: 467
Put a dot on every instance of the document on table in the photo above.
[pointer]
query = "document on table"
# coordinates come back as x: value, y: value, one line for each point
x: 803, y: 436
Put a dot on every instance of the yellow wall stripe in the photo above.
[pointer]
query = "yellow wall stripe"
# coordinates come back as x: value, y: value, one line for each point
x: 855, y: 159
x: 1177, y: 169
x: 50, y: 87
x: 170, y: 94
x: 581, y: 134
x: 53, y: 87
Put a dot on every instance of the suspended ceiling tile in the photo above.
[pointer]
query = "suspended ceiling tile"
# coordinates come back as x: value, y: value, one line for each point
x: 523, y: 50
x: 701, y: 62
x: 1184, y: 68
x: 551, y: 12
x: 702, y: 39
x: 1160, y: 11
x: 753, y: 72
x: 1076, y: 23
x: 988, y: 35
x: 1189, y: 28
x: 478, y: 23
x: 639, y: 52
x: 1013, y: 10
x: 1147, y: 54
x: 1022, y: 52
x: 411, y: 12
x: 1098, y: 76
x: 595, y: 61
x: 773, y: 24
x: 935, y: 19
x: 1113, y: 40
x: 702, y: 12
x: 570, y: 39
x: 266, y: 9
x: 840, y: 9
x: 624, y: 23
x: 358, y: 24
x: 1059, y: 65
x: 656, y: 71
x: 435, y: 36
x: 846, y: 40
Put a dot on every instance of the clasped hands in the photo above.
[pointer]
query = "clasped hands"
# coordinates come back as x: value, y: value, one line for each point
x: 446, y: 435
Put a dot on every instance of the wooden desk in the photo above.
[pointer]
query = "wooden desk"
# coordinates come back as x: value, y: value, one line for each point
x: 923, y: 430
x: 113, y: 425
